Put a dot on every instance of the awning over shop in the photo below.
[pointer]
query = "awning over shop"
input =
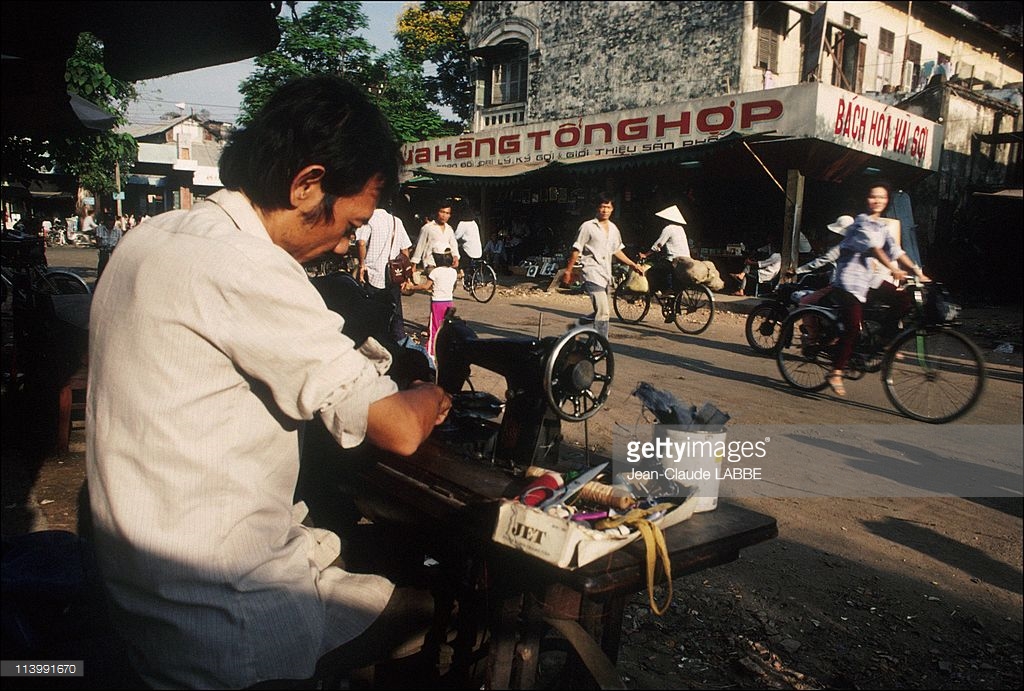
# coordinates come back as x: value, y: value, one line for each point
x: 822, y: 130
x: 61, y: 188
x: 148, y: 180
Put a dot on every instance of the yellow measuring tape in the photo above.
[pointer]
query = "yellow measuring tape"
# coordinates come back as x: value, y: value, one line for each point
x: 654, y: 541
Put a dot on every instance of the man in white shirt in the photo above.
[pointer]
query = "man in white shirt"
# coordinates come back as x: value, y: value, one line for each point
x: 467, y: 233
x: 435, y: 237
x: 379, y: 241
x: 106, y: 240
x: 677, y: 248
x: 196, y: 398
x: 597, y: 241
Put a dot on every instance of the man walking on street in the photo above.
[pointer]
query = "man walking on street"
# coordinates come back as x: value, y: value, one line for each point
x: 379, y: 241
x: 435, y: 237
x: 106, y: 240
x: 597, y: 241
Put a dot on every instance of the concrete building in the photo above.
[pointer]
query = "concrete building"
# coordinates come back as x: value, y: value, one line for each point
x: 177, y: 164
x: 831, y: 92
x: 538, y: 60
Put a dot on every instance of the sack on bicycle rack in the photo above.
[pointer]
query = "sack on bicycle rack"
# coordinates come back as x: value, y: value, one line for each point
x: 637, y: 282
x: 400, y: 269
x: 938, y: 308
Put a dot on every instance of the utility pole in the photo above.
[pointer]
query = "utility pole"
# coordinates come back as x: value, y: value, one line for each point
x: 117, y: 186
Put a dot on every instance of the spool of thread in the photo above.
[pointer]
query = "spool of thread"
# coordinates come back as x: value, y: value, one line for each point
x: 537, y: 471
x: 606, y: 495
x: 541, y: 488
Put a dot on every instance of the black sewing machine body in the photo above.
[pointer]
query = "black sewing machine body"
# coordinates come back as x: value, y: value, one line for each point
x: 548, y: 380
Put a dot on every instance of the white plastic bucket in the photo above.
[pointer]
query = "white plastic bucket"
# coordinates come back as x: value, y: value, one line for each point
x: 701, y: 466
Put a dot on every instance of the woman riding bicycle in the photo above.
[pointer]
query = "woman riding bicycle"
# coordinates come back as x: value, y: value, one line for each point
x: 871, y: 239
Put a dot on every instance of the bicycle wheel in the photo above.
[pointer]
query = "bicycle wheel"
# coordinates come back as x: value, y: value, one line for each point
x: 631, y: 306
x: 695, y: 308
x: 764, y: 324
x: 57, y: 282
x: 933, y: 374
x: 484, y: 283
x: 802, y: 360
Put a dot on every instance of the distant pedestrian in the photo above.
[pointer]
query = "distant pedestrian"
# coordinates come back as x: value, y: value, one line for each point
x: 106, y: 241
x: 435, y: 237
x: 467, y: 233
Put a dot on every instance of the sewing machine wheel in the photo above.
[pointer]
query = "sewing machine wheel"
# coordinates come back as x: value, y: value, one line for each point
x: 578, y: 374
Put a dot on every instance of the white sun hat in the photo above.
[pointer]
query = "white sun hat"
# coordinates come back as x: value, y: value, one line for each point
x: 841, y: 224
x: 672, y: 213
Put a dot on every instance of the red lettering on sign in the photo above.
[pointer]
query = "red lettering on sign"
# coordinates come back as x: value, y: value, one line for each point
x: 759, y: 111
x: 509, y: 144
x: 489, y: 142
x: 663, y: 125
x: 631, y: 129
x: 536, y: 137
x: 602, y: 127
x: 440, y: 153
x: 723, y: 117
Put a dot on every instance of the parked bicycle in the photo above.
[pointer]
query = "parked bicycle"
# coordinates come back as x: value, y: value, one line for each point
x: 25, y: 271
x: 691, y: 308
x: 764, y: 323
x: 931, y: 372
x: 480, y: 280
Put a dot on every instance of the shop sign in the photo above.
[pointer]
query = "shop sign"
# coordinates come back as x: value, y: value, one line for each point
x: 810, y: 110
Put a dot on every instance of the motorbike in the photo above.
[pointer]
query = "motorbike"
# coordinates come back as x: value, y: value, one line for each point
x: 764, y: 323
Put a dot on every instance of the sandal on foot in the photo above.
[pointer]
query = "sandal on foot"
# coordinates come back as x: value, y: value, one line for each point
x: 835, y: 382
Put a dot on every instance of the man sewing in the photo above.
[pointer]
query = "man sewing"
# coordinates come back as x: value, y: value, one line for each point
x: 209, y: 348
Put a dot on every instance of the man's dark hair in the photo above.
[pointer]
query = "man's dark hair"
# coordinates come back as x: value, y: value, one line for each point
x: 323, y: 120
x: 605, y: 198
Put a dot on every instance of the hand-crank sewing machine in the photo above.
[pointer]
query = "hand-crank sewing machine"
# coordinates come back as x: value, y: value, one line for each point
x: 440, y: 505
x: 549, y: 379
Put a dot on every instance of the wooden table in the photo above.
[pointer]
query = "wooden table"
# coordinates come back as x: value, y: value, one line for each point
x: 513, y: 600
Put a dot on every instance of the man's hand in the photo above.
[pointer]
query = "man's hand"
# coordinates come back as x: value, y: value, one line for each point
x: 567, y: 277
x: 402, y: 421
x: 445, y: 405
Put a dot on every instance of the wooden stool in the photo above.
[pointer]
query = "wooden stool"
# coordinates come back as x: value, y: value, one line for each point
x: 70, y: 402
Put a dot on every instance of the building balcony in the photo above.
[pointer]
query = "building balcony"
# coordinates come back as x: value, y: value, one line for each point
x: 493, y: 117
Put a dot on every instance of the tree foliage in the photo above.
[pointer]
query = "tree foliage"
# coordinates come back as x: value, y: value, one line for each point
x: 93, y: 158
x: 90, y: 156
x: 432, y: 33
x: 325, y: 41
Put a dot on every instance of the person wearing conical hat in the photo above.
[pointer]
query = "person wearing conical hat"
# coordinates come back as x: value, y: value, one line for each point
x: 673, y: 236
x: 673, y: 239
x: 839, y: 227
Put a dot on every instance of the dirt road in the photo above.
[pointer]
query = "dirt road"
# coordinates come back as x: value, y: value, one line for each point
x: 869, y: 592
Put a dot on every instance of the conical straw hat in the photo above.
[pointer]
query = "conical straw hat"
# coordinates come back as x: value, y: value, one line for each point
x: 672, y: 213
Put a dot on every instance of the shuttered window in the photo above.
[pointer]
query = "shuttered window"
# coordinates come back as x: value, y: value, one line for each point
x: 770, y: 20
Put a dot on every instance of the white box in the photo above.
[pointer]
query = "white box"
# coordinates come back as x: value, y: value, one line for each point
x: 563, y: 542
